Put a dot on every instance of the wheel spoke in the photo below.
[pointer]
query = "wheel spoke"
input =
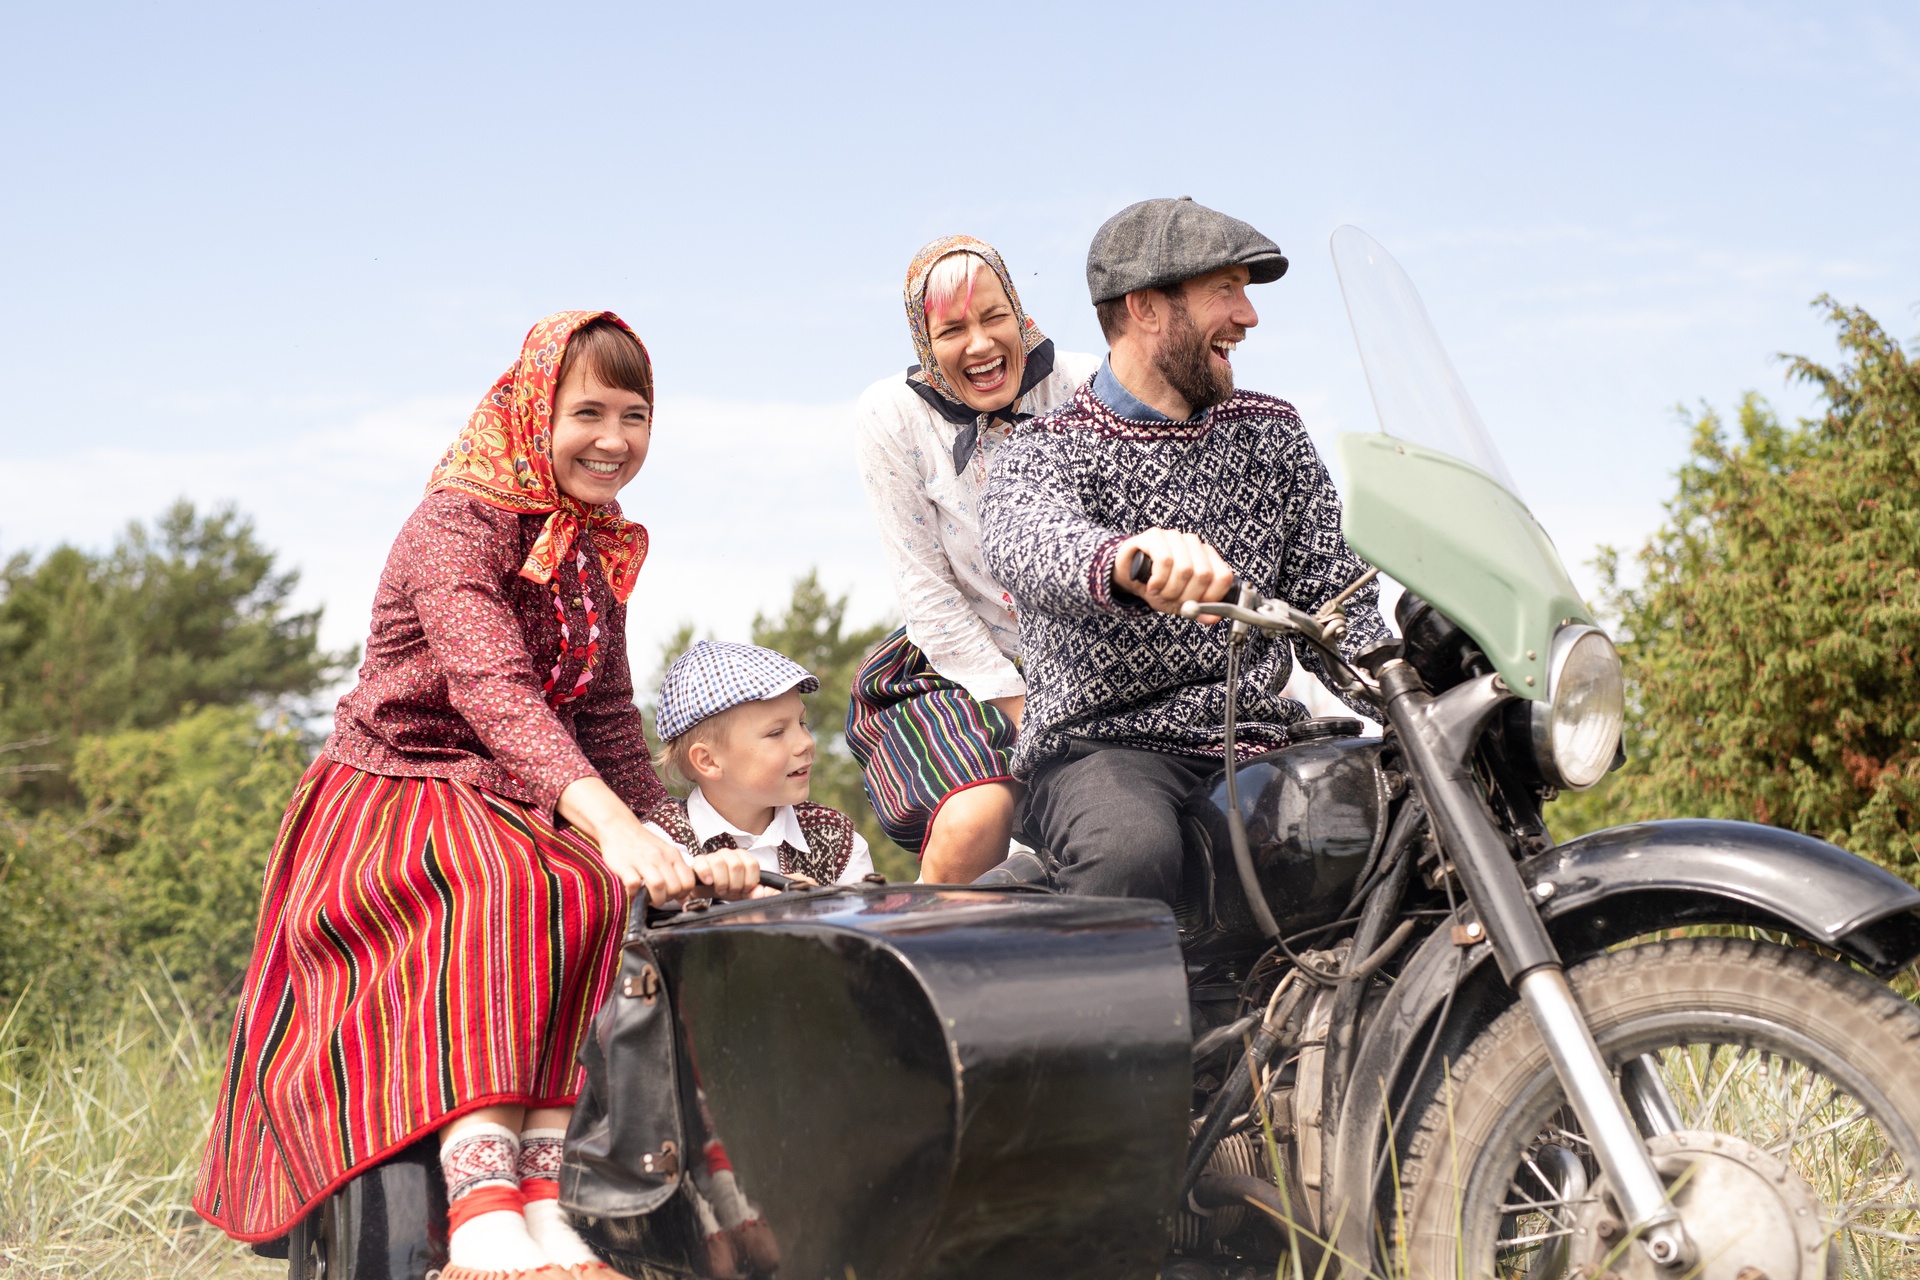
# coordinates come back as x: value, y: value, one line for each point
x: 1783, y: 1107
x: 1770, y: 1092
x: 1898, y: 1237
x: 1858, y: 1114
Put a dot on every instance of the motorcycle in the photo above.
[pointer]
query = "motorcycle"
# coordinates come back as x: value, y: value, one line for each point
x: 1390, y: 1027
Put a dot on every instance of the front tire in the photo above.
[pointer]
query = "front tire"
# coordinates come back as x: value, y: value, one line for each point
x: 1795, y: 1055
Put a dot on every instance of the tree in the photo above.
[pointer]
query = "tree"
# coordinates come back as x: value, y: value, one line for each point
x: 155, y: 875
x: 191, y: 613
x: 1771, y: 644
x: 813, y: 632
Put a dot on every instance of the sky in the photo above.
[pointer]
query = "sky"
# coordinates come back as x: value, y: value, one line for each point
x: 271, y: 255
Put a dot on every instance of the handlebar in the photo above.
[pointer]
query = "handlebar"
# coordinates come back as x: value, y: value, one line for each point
x: 774, y: 880
x: 1247, y: 609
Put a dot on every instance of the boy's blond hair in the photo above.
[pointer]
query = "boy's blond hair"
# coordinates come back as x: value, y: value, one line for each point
x: 674, y: 757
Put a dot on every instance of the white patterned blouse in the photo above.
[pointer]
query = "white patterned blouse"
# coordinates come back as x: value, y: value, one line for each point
x: 928, y: 512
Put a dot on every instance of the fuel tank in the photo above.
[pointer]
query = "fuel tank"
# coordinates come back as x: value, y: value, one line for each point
x: 1315, y: 812
x: 949, y: 1082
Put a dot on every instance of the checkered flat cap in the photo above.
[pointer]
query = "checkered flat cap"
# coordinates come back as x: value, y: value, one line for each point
x: 716, y: 675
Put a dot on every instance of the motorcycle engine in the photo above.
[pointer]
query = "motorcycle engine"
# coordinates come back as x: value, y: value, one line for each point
x: 1198, y: 1232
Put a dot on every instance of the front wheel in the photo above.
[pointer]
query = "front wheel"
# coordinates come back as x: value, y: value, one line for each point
x: 1795, y: 1083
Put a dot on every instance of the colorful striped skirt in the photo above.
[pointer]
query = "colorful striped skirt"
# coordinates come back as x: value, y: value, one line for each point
x: 424, y: 948
x: 919, y: 737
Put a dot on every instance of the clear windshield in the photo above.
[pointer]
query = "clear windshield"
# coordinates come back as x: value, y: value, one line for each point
x: 1416, y: 391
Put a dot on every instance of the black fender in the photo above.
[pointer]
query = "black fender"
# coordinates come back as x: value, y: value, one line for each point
x: 1606, y: 888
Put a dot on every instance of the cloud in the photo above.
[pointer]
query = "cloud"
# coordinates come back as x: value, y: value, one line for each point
x: 739, y: 498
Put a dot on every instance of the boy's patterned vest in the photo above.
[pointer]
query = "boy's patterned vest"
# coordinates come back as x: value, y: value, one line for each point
x: 829, y: 839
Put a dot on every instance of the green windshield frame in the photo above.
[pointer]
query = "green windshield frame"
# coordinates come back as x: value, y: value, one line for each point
x: 1460, y: 540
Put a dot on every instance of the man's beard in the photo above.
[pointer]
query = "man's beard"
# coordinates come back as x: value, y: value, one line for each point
x: 1185, y: 360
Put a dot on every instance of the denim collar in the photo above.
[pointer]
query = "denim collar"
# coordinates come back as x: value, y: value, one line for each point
x: 1107, y: 386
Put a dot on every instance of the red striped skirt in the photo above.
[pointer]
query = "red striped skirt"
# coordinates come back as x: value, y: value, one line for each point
x: 919, y: 738
x: 424, y: 948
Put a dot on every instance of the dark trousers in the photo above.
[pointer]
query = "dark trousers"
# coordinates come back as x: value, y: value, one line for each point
x: 1110, y: 816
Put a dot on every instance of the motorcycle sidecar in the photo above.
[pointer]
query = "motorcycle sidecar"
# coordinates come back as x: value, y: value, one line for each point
x: 911, y: 1081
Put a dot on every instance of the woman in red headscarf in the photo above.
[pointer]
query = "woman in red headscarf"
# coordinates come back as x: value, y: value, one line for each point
x: 442, y: 906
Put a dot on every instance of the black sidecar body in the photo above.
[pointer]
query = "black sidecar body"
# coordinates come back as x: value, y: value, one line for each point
x: 907, y: 1080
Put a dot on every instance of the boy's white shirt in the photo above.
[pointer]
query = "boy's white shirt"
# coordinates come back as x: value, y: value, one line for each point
x: 707, y: 823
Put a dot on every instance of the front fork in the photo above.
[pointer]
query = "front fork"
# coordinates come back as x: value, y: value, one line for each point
x: 1438, y: 735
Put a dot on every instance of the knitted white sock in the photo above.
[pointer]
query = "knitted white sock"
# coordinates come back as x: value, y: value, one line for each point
x: 540, y: 1151
x: 729, y: 1206
x: 482, y: 1168
x: 547, y: 1224
x: 496, y: 1241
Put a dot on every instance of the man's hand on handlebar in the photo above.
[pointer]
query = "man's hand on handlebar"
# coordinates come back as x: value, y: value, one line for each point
x: 1179, y: 567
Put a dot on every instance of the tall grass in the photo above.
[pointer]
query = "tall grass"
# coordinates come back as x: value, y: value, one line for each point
x: 100, y: 1136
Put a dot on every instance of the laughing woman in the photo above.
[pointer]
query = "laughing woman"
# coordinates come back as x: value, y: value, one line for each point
x: 442, y: 906
x: 936, y: 708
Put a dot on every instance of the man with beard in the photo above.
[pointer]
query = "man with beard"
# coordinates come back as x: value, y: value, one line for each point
x: 1157, y: 453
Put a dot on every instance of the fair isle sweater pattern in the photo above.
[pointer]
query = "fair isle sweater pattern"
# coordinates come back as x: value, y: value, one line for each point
x: 829, y: 838
x: 1100, y: 665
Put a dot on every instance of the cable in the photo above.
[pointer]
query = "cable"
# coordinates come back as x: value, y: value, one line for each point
x: 1236, y: 828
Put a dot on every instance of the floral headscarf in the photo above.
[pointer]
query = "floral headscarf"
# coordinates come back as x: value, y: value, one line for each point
x: 926, y: 378
x: 504, y: 457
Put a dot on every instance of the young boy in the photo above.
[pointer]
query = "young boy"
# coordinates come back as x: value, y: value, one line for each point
x: 736, y: 731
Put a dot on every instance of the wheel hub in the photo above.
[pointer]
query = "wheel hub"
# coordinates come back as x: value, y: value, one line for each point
x: 1748, y: 1214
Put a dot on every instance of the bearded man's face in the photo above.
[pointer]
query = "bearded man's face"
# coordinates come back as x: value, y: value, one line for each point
x: 1207, y: 318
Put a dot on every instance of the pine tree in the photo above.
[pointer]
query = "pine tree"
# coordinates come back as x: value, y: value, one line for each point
x: 190, y: 613
x: 1771, y: 643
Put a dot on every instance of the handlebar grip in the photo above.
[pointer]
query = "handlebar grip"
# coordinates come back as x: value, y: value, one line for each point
x: 1140, y: 569
x: 774, y: 880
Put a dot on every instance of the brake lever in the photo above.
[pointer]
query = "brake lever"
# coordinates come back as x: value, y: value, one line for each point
x: 1277, y: 617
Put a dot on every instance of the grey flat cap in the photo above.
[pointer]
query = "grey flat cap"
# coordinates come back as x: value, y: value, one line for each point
x: 1156, y: 243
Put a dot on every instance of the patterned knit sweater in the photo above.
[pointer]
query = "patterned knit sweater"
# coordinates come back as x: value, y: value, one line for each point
x: 1071, y: 485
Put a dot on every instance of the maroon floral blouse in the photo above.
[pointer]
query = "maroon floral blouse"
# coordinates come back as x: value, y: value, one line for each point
x: 468, y: 674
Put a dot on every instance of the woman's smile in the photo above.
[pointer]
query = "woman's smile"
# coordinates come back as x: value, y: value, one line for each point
x: 988, y: 375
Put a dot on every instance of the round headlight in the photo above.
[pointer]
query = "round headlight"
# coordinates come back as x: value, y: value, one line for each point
x: 1576, y: 728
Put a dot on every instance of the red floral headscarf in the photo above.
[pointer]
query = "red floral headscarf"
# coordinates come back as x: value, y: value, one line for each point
x: 504, y: 457
x: 915, y: 296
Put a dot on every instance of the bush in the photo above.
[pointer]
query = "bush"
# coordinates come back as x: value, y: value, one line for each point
x: 1771, y: 645
x: 162, y: 865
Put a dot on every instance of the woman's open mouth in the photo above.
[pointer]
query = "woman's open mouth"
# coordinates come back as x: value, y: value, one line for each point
x: 987, y: 376
x: 599, y: 468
